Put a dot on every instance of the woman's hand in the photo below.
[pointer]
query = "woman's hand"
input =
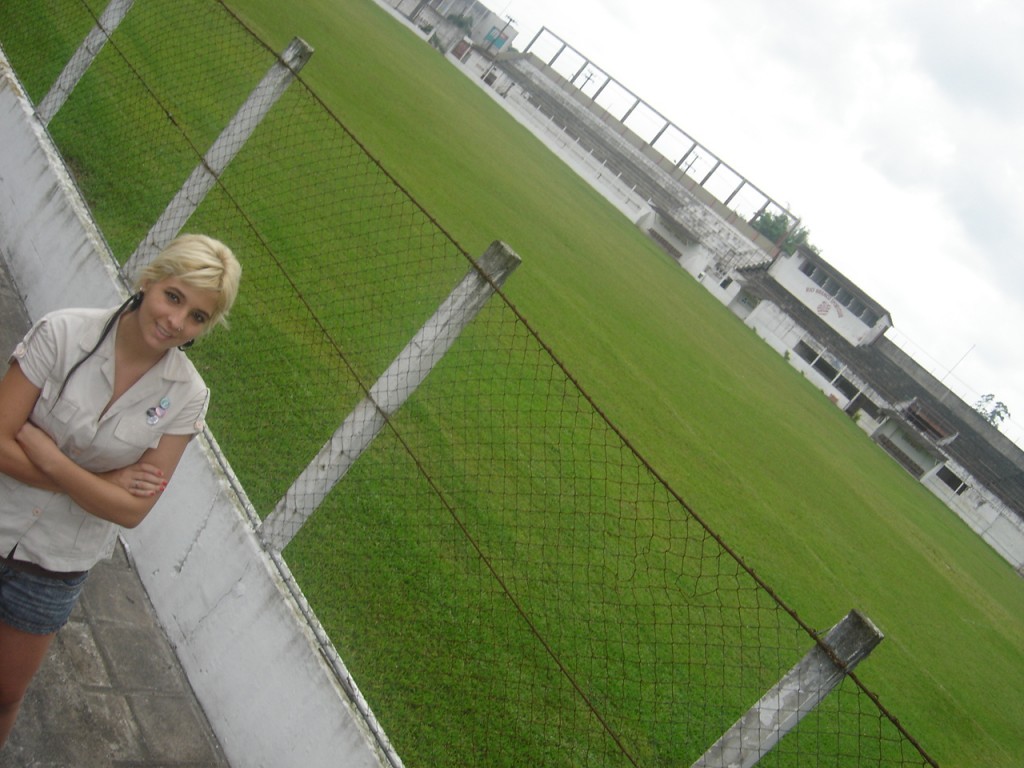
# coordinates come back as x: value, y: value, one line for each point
x: 141, y: 479
x: 144, y: 480
x: 123, y: 497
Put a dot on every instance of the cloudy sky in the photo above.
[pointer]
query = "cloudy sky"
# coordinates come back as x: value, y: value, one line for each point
x: 893, y: 128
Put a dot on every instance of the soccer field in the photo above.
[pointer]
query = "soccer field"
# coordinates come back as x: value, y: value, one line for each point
x: 786, y: 478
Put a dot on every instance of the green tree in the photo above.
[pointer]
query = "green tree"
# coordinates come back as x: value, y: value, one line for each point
x: 993, y: 411
x: 778, y: 227
x: 459, y: 20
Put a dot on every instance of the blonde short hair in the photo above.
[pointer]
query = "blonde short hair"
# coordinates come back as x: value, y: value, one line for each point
x: 201, y: 262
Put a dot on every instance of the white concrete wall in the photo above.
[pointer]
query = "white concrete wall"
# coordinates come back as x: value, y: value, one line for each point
x: 984, y: 514
x: 894, y: 432
x: 777, y: 328
x: 782, y: 334
x: 249, y: 653
x: 787, y: 273
x: 45, y: 229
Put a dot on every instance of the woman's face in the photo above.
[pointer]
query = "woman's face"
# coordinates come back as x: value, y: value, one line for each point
x: 174, y: 312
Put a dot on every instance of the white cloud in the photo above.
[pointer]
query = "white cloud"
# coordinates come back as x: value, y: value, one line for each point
x: 893, y: 127
x: 973, y: 51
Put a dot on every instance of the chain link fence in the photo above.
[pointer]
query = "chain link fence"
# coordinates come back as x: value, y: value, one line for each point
x: 507, y: 579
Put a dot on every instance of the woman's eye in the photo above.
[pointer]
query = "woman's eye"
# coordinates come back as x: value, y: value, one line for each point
x: 199, y: 317
x: 172, y: 296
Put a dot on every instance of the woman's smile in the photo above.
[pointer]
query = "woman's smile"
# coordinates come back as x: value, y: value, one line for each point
x: 176, y: 312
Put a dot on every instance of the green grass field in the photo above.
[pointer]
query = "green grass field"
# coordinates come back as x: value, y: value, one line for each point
x: 787, y: 480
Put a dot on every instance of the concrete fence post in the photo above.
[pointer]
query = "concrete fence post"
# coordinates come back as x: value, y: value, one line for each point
x: 82, y: 59
x: 387, y: 395
x: 801, y: 690
x: 227, y: 145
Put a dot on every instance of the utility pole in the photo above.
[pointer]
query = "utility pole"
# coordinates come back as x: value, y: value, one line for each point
x: 502, y: 32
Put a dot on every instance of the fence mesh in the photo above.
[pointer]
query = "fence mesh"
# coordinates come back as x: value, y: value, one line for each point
x: 508, y: 580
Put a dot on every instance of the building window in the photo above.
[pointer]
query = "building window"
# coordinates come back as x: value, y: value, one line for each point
x: 862, y: 403
x: 725, y: 283
x: 807, y: 268
x: 826, y: 370
x: 805, y: 352
x: 847, y: 387
x: 949, y: 478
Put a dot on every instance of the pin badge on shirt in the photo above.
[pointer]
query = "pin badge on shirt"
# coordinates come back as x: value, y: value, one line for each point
x: 157, y: 412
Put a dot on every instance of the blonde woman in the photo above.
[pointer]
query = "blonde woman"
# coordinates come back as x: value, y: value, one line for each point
x: 96, y: 410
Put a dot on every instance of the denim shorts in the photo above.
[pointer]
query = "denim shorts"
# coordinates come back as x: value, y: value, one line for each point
x: 39, y: 605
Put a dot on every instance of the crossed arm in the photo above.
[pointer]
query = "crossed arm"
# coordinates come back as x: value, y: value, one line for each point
x: 123, y: 496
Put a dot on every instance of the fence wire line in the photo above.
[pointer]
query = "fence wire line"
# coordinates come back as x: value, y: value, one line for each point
x: 509, y: 579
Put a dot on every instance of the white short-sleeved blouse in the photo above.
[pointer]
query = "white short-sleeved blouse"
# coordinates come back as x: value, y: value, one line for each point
x: 50, y: 529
